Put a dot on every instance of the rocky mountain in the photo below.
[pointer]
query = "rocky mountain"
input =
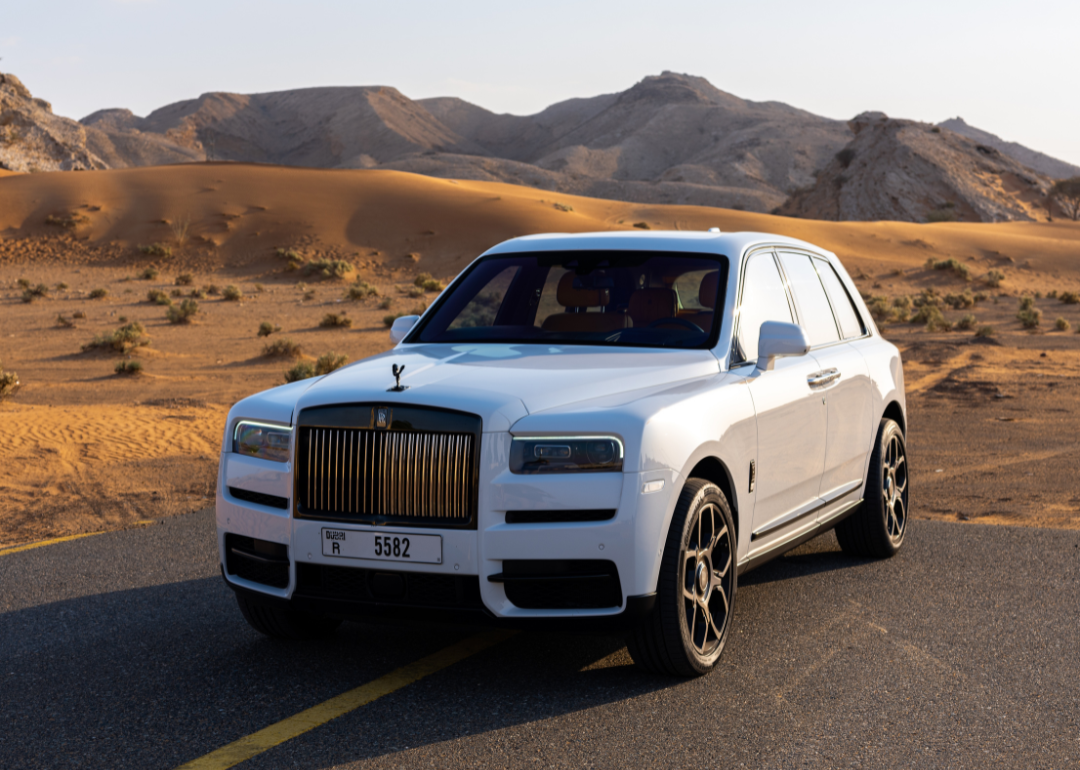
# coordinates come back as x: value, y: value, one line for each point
x: 1033, y: 159
x: 916, y: 172
x: 33, y: 139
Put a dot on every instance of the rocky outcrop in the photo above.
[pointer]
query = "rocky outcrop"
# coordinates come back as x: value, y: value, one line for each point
x: 916, y: 172
x: 33, y: 139
x: 1033, y: 159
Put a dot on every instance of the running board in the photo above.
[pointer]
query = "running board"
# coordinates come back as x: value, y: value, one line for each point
x: 796, y: 540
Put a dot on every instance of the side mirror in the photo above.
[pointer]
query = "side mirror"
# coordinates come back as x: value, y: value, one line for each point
x: 779, y: 339
x: 401, y: 327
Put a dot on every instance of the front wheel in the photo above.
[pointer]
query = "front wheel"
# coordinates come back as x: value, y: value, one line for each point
x: 687, y: 630
x: 877, y: 528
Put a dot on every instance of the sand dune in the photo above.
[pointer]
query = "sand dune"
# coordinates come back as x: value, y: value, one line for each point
x: 85, y: 449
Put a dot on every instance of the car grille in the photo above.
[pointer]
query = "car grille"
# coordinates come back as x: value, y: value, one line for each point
x: 404, y: 475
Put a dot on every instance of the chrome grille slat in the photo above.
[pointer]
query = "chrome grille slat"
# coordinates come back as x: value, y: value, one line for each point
x: 349, y: 472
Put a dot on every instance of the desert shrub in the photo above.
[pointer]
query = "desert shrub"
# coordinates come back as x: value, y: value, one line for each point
x: 1026, y: 303
x: 562, y: 207
x: 61, y: 286
x: 128, y: 367
x: 266, y: 329
x: 642, y: 225
x: 283, y: 348
x: 328, y: 268
x: 361, y: 290
x: 23, y: 283
x: 289, y: 254
x: 176, y: 293
x: 336, y: 321
x: 158, y: 297
x: 149, y: 273
x: 259, y: 288
x: 1038, y: 295
x: 1069, y: 298
x: 967, y: 322
x: 66, y: 221
x: 985, y: 331
x: 415, y: 291
x: 879, y: 308
x: 980, y: 296
x: 212, y: 290
x: 35, y: 292
x: 902, y: 305
x: 197, y: 294
x: 156, y: 250
x: 99, y: 293
x: 932, y: 316
x: 123, y: 319
x: 293, y: 264
x: 385, y: 302
x: 300, y: 371
x: 9, y: 382
x: 1028, y: 314
x: 185, y: 279
x: 233, y: 293
x: 954, y: 266
x: 1052, y: 294
x: 184, y: 313
x: 994, y: 278
x: 329, y: 362
x: 389, y: 319
x: 78, y: 314
x: 1062, y: 325
x: 122, y: 340
x: 960, y: 301
x: 64, y: 322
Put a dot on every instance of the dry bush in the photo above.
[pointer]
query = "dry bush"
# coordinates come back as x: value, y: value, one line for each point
x: 233, y: 293
x: 62, y: 286
x: 967, y: 322
x: 66, y: 221
x: 932, y: 316
x: 385, y: 302
x: 9, y: 382
x: 181, y: 228
x: 212, y: 289
x: 300, y: 371
x: 951, y: 265
x: 994, y: 278
x: 985, y: 331
x: 328, y: 268
x: 336, y: 321
x: 562, y: 207
x: 415, y: 291
x: 128, y: 367
x: 425, y: 282
x: 184, y: 313
x: 78, y: 314
x: 150, y: 273
x: 156, y: 250
x: 960, y: 301
x: 99, y: 294
x: 361, y: 290
x: 283, y: 348
x: 642, y: 225
x: 158, y: 297
x: 1062, y: 325
x: 122, y: 340
x: 328, y: 362
x: 31, y: 293
x: 1069, y: 298
x: 197, y: 294
x: 185, y: 279
x: 266, y: 329
x: 1028, y: 314
x: 63, y: 322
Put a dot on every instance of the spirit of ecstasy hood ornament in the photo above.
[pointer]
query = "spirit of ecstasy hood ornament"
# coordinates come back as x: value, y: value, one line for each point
x: 398, y: 387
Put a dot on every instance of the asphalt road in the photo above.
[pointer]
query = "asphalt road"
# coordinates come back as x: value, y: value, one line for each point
x: 127, y: 650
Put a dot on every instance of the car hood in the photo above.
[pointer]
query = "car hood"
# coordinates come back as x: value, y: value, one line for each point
x: 503, y: 383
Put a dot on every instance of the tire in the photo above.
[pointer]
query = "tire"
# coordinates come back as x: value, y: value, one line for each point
x: 285, y: 624
x: 686, y: 632
x: 877, y: 529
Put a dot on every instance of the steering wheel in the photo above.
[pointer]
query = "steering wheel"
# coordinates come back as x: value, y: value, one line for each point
x: 678, y: 322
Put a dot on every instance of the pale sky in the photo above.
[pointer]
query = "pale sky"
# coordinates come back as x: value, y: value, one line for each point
x: 1005, y: 67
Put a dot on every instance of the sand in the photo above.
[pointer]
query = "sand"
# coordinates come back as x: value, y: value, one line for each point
x: 84, y: 449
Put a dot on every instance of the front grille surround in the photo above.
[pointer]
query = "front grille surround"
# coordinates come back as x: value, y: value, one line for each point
x: 421, y: 469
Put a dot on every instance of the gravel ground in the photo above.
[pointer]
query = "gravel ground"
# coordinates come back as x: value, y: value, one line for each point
x: 126, y: 650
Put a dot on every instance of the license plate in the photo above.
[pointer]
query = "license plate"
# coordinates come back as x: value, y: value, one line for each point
x: 382, y: 546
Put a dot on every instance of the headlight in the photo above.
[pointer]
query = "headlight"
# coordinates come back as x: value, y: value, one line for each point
x: 566, y: 454
x: 267, y: 442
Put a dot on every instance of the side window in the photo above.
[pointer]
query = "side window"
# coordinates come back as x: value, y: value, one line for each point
x: 850, y: 323
x: 815, y: 314
x: 763, y: 299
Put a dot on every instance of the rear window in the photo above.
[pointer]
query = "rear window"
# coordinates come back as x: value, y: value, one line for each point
x: 815, y: 312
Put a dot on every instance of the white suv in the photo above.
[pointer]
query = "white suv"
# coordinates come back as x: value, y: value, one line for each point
x: 596, y: 431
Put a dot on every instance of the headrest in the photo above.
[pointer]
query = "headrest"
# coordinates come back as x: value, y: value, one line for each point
x: 648, y: 305
x: 569, y: 296
x: 707, y: 291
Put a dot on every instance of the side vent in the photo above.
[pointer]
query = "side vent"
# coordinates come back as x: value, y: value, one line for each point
x: 753, y: 475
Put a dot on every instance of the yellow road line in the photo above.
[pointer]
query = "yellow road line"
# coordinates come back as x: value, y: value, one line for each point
x: 41, y: 543
x: 298, y: 724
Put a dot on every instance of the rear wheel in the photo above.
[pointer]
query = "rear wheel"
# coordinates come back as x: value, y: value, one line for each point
x: 285, y: 624
x: 686, y: 632
x: 878, y: 527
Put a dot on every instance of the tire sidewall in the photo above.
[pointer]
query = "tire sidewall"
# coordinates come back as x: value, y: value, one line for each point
x: 889, y: 430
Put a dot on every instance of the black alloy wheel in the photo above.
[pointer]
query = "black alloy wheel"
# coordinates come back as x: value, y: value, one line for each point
x: 686, y: 632
x: 878, y: 527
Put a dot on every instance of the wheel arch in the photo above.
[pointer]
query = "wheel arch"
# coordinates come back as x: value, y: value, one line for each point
x: 895, y: 412
x: 714, y: 470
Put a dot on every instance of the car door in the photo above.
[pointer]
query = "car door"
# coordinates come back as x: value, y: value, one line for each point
x: 827, y: 313
x: 791, y: 417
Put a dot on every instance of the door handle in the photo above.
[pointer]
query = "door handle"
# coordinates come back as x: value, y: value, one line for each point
x: 821, y: 379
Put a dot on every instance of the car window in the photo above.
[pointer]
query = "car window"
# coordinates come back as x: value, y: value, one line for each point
x: 763, y: 299
x: 850, y: 323
x: 815, y: 313
x: 590, y: 297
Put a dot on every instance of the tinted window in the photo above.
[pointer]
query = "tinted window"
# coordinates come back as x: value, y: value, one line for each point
x: 850, y: 324
x: 815, y: 314
x: 763, y: 299
x: 620, y: 298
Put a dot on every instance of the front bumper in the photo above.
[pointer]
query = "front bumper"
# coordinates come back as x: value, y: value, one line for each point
x: 630, y: 541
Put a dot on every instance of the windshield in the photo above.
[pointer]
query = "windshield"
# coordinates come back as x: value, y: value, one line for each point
x: 616, y: 298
